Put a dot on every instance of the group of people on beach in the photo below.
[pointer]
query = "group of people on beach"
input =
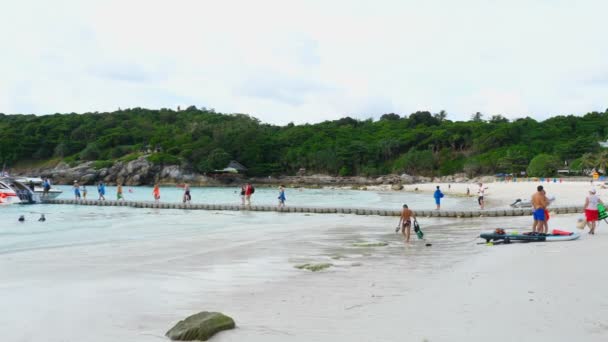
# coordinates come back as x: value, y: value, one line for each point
x: 540, y: 214
x: 438, y: 195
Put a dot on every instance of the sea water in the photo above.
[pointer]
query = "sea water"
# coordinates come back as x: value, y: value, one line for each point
x: 295, y: 197
x: 67, y: 225
x: 92, y: 273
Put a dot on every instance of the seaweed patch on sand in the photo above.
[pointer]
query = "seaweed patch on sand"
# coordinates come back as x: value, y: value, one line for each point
x: 370, y: 244
x: 313, y: 267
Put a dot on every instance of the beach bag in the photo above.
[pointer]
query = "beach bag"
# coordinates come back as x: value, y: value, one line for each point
x: 581, y: 223
x: 252, y: 189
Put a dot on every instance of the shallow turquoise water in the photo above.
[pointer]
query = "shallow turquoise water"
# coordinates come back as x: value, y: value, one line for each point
x: 295, y: 197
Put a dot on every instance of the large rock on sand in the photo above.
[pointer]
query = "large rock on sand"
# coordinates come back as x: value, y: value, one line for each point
x: 200, y: 326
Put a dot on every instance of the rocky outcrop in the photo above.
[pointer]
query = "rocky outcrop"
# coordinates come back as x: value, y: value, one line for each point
x: 142, y: 172
x: 201, y: 326
x: 136, y: 172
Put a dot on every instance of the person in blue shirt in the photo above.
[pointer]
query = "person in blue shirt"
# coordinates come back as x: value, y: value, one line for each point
x: 438, y: 196
x: 101, y: 189
x: 282, y: 196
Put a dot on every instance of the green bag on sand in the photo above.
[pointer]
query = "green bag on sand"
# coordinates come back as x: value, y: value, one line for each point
x: 601, y: 211
x: 417, y: 229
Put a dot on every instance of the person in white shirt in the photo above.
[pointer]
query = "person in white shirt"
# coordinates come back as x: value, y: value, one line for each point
x: 591, y: 212
x: 480, y: 194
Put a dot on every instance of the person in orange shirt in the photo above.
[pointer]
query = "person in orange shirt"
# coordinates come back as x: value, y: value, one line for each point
x: 156, y: 193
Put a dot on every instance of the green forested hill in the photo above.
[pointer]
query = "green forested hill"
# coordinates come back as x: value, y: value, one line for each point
x: 421, y: 143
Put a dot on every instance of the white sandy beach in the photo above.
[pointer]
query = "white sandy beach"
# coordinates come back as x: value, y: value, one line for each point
x: 500, y: 194
x: 135, y: 287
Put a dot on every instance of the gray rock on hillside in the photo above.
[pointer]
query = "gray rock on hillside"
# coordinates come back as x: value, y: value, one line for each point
x: 200, y: 326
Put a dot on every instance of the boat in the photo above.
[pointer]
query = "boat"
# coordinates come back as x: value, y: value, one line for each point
x: 37, y: 184
x: 519, y: 203
x: 13, y: 192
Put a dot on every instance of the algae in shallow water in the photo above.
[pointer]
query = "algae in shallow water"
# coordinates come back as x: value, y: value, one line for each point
x: 370, y: 244
x: 313, y: 267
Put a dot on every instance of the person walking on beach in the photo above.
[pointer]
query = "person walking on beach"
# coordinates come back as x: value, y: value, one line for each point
x: 84, y: 192
x: 101, y: 190
x: 480, y: 193
x: 591, y: 212
x: 282, y: 196
x: 119, y: 192
x: 539, y: 203
x: 438, y: 195
x: 156, y: 193
x: 76, y: 188
x: 405, y: 222
x: 249, y: 190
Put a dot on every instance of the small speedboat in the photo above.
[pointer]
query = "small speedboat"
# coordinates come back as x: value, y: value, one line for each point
x: 36, y: 184
x: 519, y: 203
x: 7, y: 194
x: 13, y: 192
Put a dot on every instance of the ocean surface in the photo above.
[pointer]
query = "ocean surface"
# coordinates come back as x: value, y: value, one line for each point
x: 295, y: 197
x: 121, y: 273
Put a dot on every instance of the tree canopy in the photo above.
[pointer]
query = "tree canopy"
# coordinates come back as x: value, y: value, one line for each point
x: 421, y: 143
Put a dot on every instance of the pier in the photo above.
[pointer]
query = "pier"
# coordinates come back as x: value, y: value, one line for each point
x: 315, y: 210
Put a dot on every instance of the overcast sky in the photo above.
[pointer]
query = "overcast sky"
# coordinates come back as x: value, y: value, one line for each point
x: 306, y: 61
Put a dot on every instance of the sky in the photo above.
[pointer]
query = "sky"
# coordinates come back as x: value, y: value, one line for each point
x: 306, y: 61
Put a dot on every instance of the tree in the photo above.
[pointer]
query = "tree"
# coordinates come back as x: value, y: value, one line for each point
x: 498, y: 119
x: 390, y: 117
x: 477, y: 117
x: 543, y: 165
x: 441, y: 116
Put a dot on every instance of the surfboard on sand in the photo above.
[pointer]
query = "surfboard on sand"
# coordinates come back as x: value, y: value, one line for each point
x: 507, y: 237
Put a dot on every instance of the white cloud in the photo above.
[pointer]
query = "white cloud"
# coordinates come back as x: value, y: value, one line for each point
x: 306, y: 61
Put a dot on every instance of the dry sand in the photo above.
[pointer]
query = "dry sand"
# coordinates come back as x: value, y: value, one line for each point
x: 500, y: 194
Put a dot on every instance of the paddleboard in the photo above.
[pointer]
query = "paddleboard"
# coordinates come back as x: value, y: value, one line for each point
x: 512, y: 236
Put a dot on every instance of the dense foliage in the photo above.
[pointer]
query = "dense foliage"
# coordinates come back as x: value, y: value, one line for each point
x: 421, y: 143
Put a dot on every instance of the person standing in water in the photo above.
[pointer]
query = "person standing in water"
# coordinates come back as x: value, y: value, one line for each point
x: 438, y: 195
x: 156, y: 193
x: 84, y: 192
x: 405, y: 222
x: 242, y: 194
x: 76, y: 188
x: 282, y: 196
x: 591, y: 212
x: 249, y: 190
x: 119, y: 192
x: 101, y: 190
x: 187, y: 197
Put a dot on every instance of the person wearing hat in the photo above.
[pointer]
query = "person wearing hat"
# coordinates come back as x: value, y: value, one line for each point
x: 591, y: 212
